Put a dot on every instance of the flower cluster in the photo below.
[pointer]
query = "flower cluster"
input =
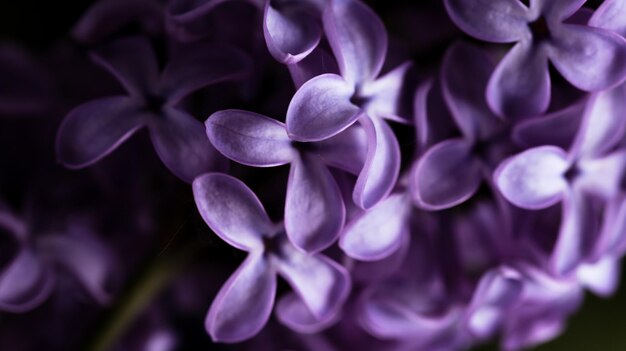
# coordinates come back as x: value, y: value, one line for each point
x: 454, y: 181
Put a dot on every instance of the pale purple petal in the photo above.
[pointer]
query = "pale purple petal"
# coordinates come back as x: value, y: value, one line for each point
x: 590, y: 58
x: 317, y: 63
x: 385, y: 94
x: 132, y: 61
x: 25, y: 283
x: 358, y: 39
x: 201, y: 65
x: 610, y: 15
x: 314, y: 208
x: 93, y: 130
x: 435, y: 181
x: 321, y: 108
x: 602, y: 176
x: 182, y: 144
x: 250, y: 138
x: 378, y: 232
x: 382, y: 165
x: 244, y: 304
x: 322, y: 284
x: 232, y: 210
x: 465, y: 73
x: 601, y: 277
x: 520, y: 85
x: 292, y: 311
x: 291, y: 33
x: 495, y: 21
x: 346, y: 150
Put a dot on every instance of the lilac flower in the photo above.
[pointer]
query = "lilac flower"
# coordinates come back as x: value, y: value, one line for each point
x: 435, y: 178
x: 545, y: 175
x: 590, y: 58
x: 243, y: 305
x: 313, y: 196
x: 94, y: 129
x: 330, y: 103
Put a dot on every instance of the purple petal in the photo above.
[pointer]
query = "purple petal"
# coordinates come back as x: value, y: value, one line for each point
x: 346, y: 150
x: 232, y: 210
x: 534, y: 178
x: 186, y: 11
x: 321, y: 108
x: 465, y: 73
x: 322, y: 284
x: 183, y: 146
x: 291, y: 33
x: 358, y: 39
x: 378, y: 232
x: 610, y: 15
x: 602, y: 176
x: 294, y: 313
x: 317, y: 63
x: 25, y: 284
x: 520, y: 85
x: 93, y: 130
x: 385, y: 94
x: 314, y: 208
x: 199, y: 66
x: 590, y: 58
x: 132, y: 62
x: 601, y: 277
x: 433, y: 122
x: 435, y: 181
x: 382, y: 165
x: 244, y: 304
x: 495, y: 21
x: 250, y: 138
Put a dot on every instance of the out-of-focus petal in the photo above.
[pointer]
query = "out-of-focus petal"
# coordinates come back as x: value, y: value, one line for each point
x: 382, y: 165
x: 465, y: 73
x: 182, y: 144
x: 495, y: 21
x: 317, y: 63
x: 601, y: 277
x: 433, y: 122
x: 201, y: 65
x: 358, y: 39
x: 322, y: 284
x: 245, y: 302
x: 436, y: 181
x: 346, y: 150
x: 232, y: 210
x: 186, y: 11
x: 603, y: 176
x: 321, y: 108
x: 132, y: 61
x: 314, y: 208
x: 533, y: 179
x: 25, y: 284
x: 291, y: 33
x: 384, y: 95
x: 93, y: 130
x: 520, y: 85
x: 610, y: 15
x: 250, y: 138
x: 590, y: 58
x: 293, y: 312
x: 378, y: 232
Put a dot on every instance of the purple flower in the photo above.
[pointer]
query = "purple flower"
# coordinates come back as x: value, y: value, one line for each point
x: 313, y: 196
x: 330, y: 103
x: 589, y: 58
x: 96, y: 128
x: 243, y: 305
x: 543, y: 176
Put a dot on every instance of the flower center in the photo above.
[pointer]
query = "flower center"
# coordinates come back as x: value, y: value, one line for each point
x: 303, y: 147
x: 154, y: 103
x: 540, y: 29
x: 273, y: 245
x: 572, y: 173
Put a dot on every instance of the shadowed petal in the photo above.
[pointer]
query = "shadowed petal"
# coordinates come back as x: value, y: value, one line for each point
x: 436, y: 180
x: 290, y: 33
x: 292, y: 311
x: 132, y: 61
x: 559, y: 10
x: 93, y: 130
x: 610, y: 15
x: 378, y: 232
x: 317, y: 63
x: 358, y: 39
x: 25, y: 283
x: 322, y: 284
x: 520, y: 85
x: 534, y: 178
x: 183, y: 146
x: 201, y: 65
x: 590, y: 58
x: 314, y: 208
x: 464, y: 75
x: 244, y: 304
x: 495, y: 21
x: 232, y: 210
x: 186, y: 11
x: 321, y: 108
x: 346, y: 150
x: 382, y: 165
x: 250, y: 138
